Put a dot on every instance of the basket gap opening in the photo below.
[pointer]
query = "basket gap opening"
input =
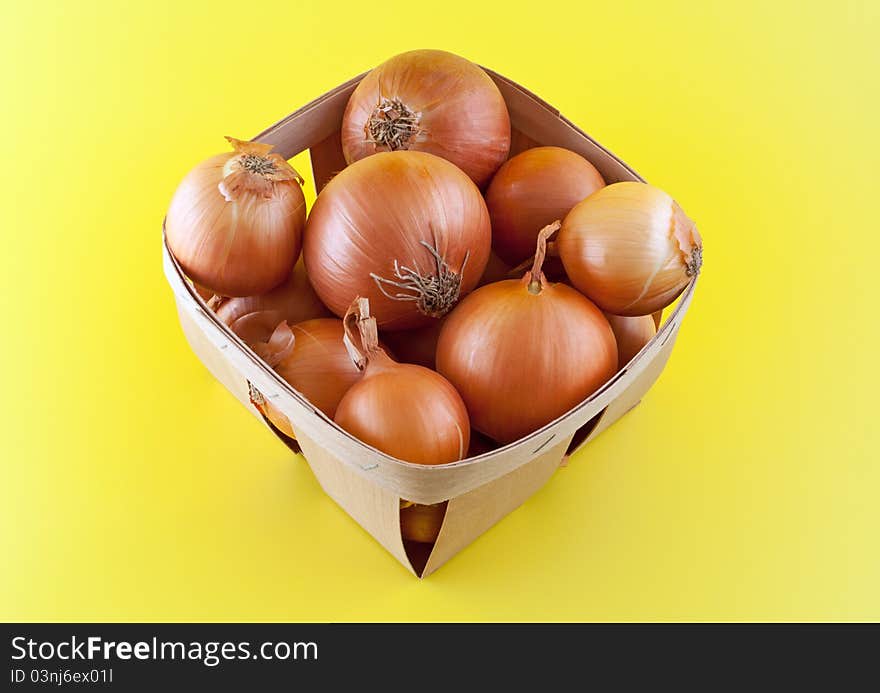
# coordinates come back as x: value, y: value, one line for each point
x: 286, y: 439
x: 419, y: 552
x: 581, y: 435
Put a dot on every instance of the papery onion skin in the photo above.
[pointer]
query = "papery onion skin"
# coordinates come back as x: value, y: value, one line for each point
x: 480, y: 444
x: 406, y: 411
x: 631, y: 333
x: 319, y: 367
x: 390, y: 207
x: 418, y: 346
x: 531, y: 190
x: 450, y: 107
x: 630, y: 248
x: 279, y: 420
x: 521, y: 360
x: 234, y: 232
x: 422, y: 523
x: 496, y: 270
x: 254, y: 318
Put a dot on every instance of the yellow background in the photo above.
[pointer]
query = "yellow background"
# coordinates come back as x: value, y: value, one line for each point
x: 745, y: 486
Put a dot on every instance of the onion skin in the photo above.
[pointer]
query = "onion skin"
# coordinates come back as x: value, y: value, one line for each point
x: 422, y: 523
x: 234, y: 232
x: 319, y: 366
x: 534, y: 189
x: 279, y: 420
x: 631, y: 333
x: 254, y: 318
x: 384, y: 209
x: 521, y: 360
x: 417, y: 346
x: 496, y: 270
x: 630, y: 248
x: 406, y: 411
x: 480, y: 445
x: 457, y: 112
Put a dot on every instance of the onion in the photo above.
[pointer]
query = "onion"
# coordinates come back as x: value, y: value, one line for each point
x: 496, y: 270
x: 407, y: 230
x: 630, y: 248
x: 421, y: 523
x: 236, y: 220
x: 480, y: 444
x: 312, y: 357
x: 406, y: 411
x: 254, y: 318
x: 631, y: 333
x: 418, y: 346
x: 532, y: 190
x: 429, y: 101
x: 524, y: 352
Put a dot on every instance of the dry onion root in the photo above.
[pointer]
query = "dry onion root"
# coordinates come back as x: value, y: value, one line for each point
x: 235, y: 222
x: 429, y: 101
x: 407, y: 230
x: 631, y: 248
x: 406, y: 411
x: 524, y: 352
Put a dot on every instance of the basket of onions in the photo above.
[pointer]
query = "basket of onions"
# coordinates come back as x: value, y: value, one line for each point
x: 478, y: 290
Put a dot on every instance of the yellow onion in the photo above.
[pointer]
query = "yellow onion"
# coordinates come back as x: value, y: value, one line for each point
x: 631, y: 333
x: 496, y: 270
x: 418, y: 346
x: 421, y: 523
x: 429, y: 101
x: 312, y: 357
x: 254, y: 318
x: 406, y: 411
x: 534, y: 189
x: 407, y: 230
x: 236, y: 220
x: 631, y: 248
x: 523, y: 352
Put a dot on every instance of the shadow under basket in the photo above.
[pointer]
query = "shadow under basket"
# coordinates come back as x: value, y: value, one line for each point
x: 366, y: 483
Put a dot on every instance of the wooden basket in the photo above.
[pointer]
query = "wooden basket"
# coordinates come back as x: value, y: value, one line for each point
x: 368, y: 484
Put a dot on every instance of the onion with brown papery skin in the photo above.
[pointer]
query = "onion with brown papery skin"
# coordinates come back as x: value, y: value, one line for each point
x: 429, y: 101
x: 406, y: 411
x: 312, y: 357
x: 480, y: 444
x: 254, y: 318
x: 631, y: 333
x: 631, y: 248
x: 496, y: 270
x: 235, y: 222
x: 407, y: 230
x: 418, y: 346
x: 534, y: 189
x: 523, y: 352
x: 421, y: 523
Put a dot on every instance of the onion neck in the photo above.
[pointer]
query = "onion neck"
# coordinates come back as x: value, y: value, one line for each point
x: 393, y: 125
x: 536, y: 280
x: 361, y: 336
x: 255, y: 169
